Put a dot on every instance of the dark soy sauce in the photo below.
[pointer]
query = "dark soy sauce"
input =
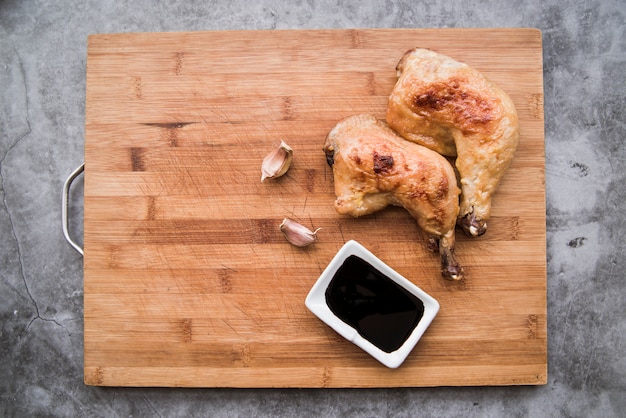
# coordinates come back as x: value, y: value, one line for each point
x: 382, y: 312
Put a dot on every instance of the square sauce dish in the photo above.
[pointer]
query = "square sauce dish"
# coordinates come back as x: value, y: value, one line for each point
x: 371, y: 305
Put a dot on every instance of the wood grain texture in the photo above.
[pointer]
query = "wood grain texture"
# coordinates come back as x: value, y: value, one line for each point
x: 189, y: 282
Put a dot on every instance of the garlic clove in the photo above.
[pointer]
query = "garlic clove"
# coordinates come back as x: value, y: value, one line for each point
x: 277, y: 162
x: 297, y: 234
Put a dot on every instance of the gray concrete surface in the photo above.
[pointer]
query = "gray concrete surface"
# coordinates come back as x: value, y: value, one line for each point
x: 42, y: 106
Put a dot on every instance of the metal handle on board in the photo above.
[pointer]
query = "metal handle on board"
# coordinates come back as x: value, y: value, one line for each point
x: 64, y: 214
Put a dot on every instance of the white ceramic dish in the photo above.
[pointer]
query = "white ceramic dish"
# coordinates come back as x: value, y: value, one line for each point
x: 316, y: 302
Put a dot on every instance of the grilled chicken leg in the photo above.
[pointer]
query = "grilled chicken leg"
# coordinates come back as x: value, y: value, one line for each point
x: 451, y: 108
x: 373, y: 168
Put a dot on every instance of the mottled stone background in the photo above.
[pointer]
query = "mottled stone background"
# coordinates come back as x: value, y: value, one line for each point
x: 42, y: 106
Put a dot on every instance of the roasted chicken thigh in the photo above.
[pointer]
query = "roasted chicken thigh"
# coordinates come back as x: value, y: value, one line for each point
x: 374, y: 168
x: 453, y: 109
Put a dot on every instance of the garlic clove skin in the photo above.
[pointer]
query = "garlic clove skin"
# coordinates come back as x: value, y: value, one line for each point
x: 277, y: 162
x: 297, y: 234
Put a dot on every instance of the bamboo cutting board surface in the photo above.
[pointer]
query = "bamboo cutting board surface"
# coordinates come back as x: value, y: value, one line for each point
x: 187, y: 279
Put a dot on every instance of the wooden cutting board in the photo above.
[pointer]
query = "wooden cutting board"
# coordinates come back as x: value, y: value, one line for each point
x: 188, y: 281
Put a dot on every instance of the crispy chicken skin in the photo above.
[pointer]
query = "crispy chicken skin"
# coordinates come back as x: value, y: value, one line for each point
x: 374, y: 168
x: 451, y: 108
